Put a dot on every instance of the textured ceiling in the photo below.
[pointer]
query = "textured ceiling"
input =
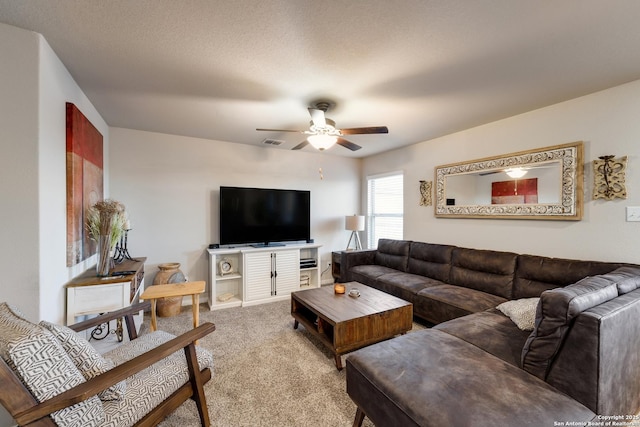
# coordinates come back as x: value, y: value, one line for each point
x: 219, y: 69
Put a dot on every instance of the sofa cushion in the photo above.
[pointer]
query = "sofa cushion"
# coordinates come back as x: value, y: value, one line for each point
x: 483, y: 270
x: 556, y: 310
x: 536, y: 274
x: 491, y: 331
x: 367, y: 274
x: 430, y: 260
x: 404, y: 285
x: 89, y: 362
x: 149, y: 387
x: 626, y: 278
x: 393, y: 254
x: 445, y: 302
x: 430, y: 378
x: 521, y: 311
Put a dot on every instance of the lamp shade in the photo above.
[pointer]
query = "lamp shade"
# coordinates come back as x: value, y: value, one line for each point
x: 354, y: 222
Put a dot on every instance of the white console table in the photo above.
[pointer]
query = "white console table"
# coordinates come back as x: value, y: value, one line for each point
x: 243, y: 276
x: 89, y: 294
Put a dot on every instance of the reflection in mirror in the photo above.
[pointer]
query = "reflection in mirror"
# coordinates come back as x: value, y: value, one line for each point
x: 543, y: 184
x: 538, y: 184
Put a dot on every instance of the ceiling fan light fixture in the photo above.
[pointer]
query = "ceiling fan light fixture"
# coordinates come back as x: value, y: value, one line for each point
x: 322, y: 141
x: 516, y: 172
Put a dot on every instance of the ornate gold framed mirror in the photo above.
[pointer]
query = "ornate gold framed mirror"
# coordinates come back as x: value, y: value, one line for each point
x: 544, y: 183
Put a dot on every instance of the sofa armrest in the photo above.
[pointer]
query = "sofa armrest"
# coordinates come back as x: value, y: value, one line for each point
x: 103, y: 381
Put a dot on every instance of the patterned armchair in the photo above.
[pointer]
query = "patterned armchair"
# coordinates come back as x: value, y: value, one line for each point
x: 52, y: 377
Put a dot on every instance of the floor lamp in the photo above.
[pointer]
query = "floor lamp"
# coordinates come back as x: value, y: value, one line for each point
x: 354, y: 223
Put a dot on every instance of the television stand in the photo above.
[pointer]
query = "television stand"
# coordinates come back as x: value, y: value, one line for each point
x: 268, y: 245
x: 245, y: 276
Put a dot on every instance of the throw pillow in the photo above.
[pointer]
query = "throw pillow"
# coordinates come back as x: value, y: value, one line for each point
x: 85, y: 357
x: 12, y: 326
x: 46, y: 370
x: 522, y: 312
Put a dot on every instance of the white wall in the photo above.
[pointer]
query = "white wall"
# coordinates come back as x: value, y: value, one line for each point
x: 34, y: 87
x: 170, y: 187
x: 606, y: 121
x: 19, y: 254
x: 57, y: 87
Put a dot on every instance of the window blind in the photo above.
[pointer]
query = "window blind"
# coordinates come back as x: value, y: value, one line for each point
x: 385, y: 208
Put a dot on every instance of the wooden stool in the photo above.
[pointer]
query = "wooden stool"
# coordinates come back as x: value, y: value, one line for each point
x: 174, y: 290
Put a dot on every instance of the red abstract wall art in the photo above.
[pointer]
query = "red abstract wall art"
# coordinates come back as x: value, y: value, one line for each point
x: 84, y: 182
x: 517, y: 191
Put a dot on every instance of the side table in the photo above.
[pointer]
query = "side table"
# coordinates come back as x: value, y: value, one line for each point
x: 88, y: 294
x: 174, y: 290
x: 337, y: 271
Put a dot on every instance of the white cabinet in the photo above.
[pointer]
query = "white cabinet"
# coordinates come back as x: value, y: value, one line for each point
x: 261, y: 274
x: 258, y: 282
x: 225, y: 278
x: 310, y: 267
x: 271, y: 274
x: 287, y: 272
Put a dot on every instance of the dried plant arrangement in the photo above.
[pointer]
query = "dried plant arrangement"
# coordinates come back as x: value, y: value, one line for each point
x: 105, y: 224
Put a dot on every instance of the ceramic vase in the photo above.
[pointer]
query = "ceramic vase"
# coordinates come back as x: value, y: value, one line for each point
x: 169, y: 273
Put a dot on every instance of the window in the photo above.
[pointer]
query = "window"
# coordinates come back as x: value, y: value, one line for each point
x: 385, y: 208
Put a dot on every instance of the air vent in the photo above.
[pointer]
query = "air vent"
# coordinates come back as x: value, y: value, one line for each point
x: 272, y: 142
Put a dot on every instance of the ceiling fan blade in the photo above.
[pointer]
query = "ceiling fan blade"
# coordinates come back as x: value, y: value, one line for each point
x: 365, y: 130
x: 301, y: 145
x: 317, y: 117
x: 348, y: 144
x: 280, y: 130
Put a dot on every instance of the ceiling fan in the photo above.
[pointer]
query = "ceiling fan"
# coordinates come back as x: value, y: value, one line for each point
x: 323, y: 134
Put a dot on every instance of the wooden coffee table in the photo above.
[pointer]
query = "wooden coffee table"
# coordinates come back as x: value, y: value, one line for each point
x: 344, y: 323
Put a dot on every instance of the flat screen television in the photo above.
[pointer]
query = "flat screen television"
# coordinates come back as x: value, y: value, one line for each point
x: 264, y: 217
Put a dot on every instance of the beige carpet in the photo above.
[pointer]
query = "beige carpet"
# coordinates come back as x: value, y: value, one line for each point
x: 266, y: 373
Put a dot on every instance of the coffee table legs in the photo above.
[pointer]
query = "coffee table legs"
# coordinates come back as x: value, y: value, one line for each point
x: 338, y: 360
x: 336, y: 356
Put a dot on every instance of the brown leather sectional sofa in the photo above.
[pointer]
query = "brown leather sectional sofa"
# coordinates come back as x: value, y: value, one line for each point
x: 475, y: 367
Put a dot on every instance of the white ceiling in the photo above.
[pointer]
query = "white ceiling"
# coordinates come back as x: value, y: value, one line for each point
x: 219, y: 69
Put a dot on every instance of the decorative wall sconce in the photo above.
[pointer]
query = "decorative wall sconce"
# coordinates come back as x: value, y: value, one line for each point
x: 425, y: 193
x: 609, y: 178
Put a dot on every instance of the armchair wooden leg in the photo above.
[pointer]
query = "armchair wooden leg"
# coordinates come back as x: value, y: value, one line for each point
x: 357, y: 422
x: 197, y: 384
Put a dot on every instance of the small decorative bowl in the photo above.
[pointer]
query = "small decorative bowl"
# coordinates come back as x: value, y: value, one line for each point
x: 354, y: 293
